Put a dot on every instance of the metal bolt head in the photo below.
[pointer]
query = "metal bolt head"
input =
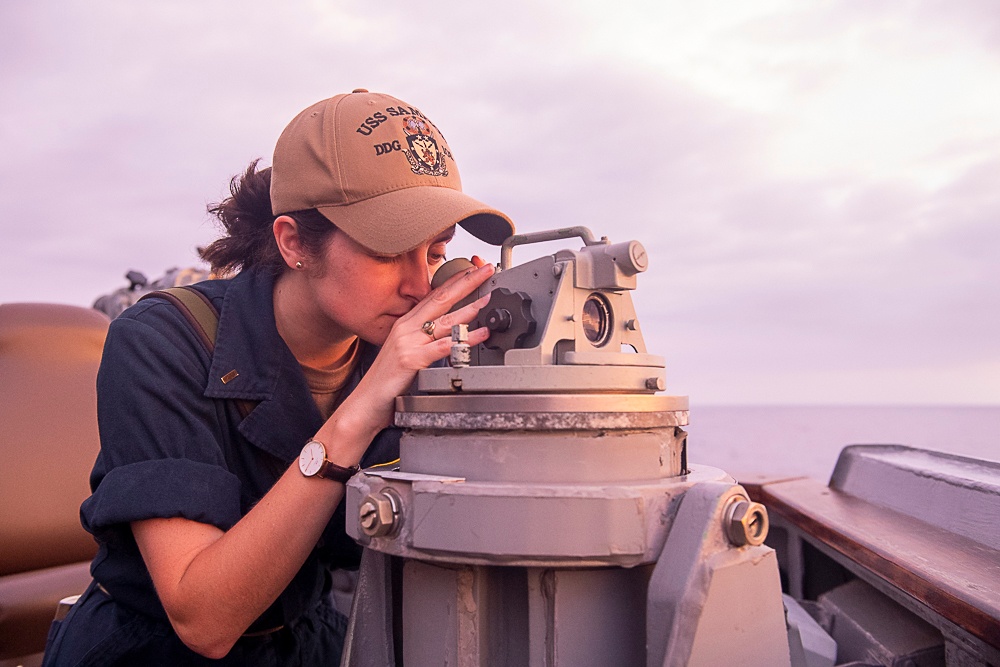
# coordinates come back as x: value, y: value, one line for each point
x: 745, y: 522
x: 379, y: 512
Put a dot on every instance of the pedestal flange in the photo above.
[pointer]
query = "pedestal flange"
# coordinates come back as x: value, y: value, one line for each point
x: 452, y: 520
x: 541, y: 411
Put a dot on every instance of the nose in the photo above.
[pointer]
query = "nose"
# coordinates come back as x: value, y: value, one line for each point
x: 415, y: 283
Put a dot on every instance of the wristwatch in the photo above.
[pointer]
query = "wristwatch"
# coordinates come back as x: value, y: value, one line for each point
x: 313, y: 463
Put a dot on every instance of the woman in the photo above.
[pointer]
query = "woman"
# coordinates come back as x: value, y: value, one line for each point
x: 214, y: 542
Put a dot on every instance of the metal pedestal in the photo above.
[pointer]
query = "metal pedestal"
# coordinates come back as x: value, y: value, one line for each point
x: 558, y: 530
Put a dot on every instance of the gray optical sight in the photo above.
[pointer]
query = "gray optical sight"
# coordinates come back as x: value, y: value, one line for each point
x: 543, y: 506
x: 561, y: 323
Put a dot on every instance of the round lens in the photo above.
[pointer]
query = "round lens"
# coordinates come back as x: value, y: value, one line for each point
x: 596, y: 320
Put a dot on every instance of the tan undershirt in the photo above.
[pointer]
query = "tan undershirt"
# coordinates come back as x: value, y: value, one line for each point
x: 326, y: 383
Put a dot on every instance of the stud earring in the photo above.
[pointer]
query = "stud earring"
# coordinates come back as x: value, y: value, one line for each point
x: 298, y: 265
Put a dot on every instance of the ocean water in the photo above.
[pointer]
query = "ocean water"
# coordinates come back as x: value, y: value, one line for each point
x: 748, y: 441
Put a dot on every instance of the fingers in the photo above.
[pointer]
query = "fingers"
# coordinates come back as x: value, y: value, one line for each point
x: 477, y: 336
x: 456, y: 288
x: 463, y: 315
x: 441, y: 327
x: 463, y: 284
x: 441, y: 347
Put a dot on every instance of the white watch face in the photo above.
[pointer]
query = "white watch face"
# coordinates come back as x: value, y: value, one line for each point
x: 312, y: 457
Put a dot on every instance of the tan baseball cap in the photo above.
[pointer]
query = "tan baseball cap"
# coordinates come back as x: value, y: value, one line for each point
x: 379, y: 170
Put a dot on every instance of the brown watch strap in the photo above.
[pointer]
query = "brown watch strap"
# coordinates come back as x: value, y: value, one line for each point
x: 330, y: 470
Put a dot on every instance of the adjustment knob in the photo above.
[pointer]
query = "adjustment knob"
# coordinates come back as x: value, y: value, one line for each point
x: 508, y: 317
x: 498, y: 320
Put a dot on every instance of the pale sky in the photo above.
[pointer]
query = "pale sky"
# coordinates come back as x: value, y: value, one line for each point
x: 817, y: 184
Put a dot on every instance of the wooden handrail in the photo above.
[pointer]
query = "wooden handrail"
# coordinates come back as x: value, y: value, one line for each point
x: 952, y: 575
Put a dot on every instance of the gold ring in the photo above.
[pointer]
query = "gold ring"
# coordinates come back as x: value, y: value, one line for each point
x: 428, y: 328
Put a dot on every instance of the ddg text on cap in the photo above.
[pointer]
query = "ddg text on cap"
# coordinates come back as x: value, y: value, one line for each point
x: 380, y: 171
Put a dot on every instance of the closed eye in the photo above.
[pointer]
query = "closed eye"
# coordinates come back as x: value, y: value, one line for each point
x: 436, y: 253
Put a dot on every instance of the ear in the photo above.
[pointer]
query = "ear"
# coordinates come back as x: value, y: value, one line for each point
x: 286, y: 235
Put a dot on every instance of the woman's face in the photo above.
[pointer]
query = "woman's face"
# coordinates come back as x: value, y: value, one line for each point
x: 364, y: 293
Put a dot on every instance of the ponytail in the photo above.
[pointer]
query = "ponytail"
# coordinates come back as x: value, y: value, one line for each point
x: 248, y: 223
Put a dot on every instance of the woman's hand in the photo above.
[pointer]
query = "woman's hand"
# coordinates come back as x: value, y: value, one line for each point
x: 412, y: 346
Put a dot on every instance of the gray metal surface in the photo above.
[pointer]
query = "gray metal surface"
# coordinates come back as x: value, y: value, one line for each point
x: 959, y: 494
x: 518, y: 378
x: 587, y: 618
x: 370, y: 639
x: 516, y: 617
x: 869, y: 627
x: 531, y: 403
x: 525, y: 457
x: 708, y: 603
x: 507, y: 248
x: 531, y: 525
x: 962, y: 648
x: 808, y: 643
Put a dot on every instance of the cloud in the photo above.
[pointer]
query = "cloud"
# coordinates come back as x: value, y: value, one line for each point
x: 815, y: 186
x: 890, y: 283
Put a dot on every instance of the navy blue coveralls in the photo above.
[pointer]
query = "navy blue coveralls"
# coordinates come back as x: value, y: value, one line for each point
x: 174, y: 444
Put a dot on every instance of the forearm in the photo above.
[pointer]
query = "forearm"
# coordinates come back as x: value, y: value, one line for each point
x: 214, y: 584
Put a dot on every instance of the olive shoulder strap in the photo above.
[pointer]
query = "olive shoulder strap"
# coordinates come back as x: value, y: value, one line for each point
x: 198, y: 310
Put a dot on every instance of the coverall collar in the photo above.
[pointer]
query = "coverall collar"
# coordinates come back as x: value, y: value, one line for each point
x: 266, y: 371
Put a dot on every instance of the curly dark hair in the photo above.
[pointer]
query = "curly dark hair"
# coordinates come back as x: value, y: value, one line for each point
x: 247, y: 220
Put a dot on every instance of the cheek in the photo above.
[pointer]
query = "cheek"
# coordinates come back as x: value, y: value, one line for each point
x: 364, y: 304
x: 376, y: 289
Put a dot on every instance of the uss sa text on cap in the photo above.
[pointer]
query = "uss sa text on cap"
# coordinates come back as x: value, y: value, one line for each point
x: 380, y: 171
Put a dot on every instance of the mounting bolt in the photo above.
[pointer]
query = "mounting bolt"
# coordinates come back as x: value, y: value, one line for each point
x: 745, y: 522
x: 379, y: 513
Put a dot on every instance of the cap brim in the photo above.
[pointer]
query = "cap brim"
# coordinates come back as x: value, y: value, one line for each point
x: 399, y: 221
